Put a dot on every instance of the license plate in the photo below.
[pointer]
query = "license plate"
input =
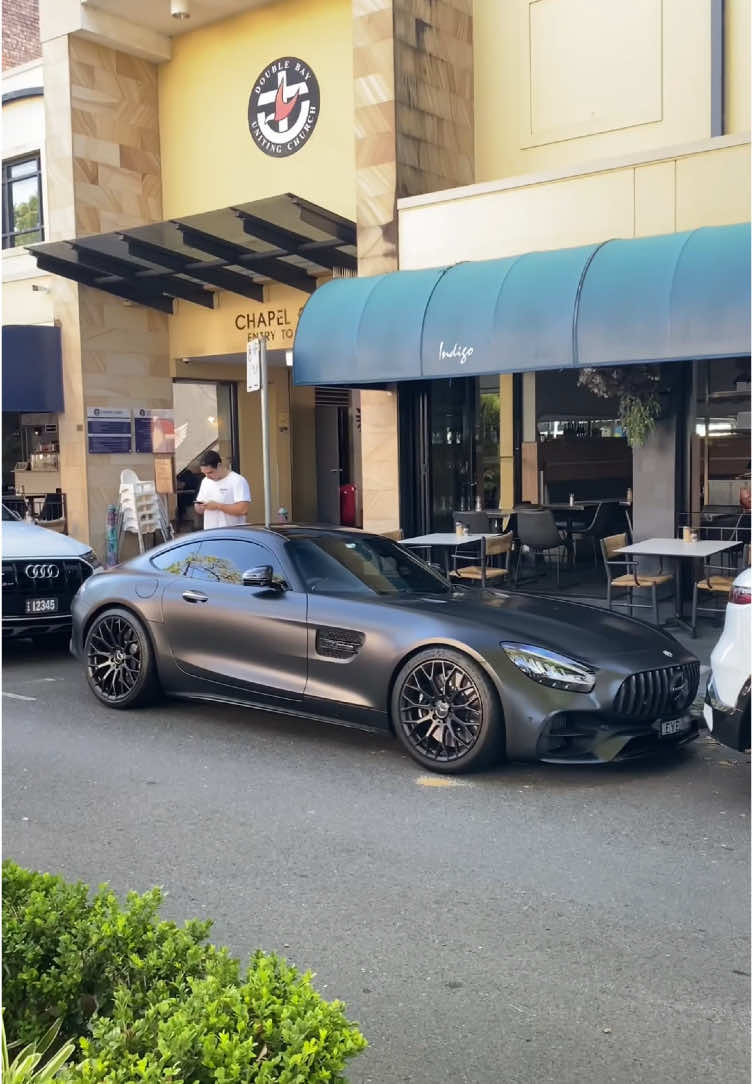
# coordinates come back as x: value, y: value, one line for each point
x: 41, y: 605
x: 673, y: 726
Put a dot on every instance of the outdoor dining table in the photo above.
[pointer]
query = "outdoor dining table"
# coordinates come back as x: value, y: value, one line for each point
x: 448, y: 540
x: 677, y: 550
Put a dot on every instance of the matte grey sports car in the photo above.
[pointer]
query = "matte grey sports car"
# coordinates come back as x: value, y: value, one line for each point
x: 342, y: 625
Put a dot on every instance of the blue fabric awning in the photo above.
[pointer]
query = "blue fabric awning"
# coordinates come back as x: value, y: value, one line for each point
x: 675, y: 297
x: 32, y: 369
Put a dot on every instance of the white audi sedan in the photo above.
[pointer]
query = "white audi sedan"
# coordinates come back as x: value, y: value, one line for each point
x: 727, y: 706
x: 42, y: 571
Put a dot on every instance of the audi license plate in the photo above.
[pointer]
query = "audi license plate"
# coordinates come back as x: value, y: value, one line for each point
x: 41, y: 605
x: 673, y: 726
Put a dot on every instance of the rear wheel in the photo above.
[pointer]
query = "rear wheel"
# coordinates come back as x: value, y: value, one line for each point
x: 446, y: 713
x: 120, y: 665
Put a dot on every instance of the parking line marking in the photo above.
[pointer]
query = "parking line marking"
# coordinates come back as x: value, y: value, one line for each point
x: 17, y: 696
x: 439, y: 781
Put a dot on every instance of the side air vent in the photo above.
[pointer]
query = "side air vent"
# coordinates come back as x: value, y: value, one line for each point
x: 325, y: 396
x: 338, y: 643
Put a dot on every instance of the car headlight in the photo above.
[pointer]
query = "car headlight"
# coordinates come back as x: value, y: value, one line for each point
x: 548, y: 668
x: 90, y: 558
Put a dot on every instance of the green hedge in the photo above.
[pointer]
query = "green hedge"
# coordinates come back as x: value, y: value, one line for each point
x: 148, y: 1000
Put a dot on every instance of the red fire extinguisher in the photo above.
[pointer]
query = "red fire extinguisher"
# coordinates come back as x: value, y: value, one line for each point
x: 348, y: 505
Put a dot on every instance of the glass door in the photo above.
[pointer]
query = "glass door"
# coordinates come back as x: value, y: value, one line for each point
x: 206, y: 419
x: 437, y: 453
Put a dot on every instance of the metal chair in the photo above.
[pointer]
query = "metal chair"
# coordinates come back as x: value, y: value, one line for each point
x: 481, y: 573
x: 537, y: 533
x: 633, y: 579
x: 717, y: 581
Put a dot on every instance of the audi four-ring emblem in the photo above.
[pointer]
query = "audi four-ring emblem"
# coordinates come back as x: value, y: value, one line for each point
x: 42, y: 572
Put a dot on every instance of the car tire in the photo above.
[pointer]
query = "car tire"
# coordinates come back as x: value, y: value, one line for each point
x: 119, y: 660
x: 446, y: 713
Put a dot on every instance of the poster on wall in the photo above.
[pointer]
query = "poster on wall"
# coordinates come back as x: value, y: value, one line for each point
x: 154, y: 430
x: 108, y: 430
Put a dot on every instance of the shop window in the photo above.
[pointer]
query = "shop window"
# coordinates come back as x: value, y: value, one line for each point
x: 489, y: 425
x: 723, y: 430
x: 23, y: 222
x: 582, y: 447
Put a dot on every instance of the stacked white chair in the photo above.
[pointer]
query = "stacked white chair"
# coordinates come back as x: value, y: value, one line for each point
x: 141, y: 509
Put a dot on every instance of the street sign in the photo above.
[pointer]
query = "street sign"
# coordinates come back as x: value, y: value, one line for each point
x: 253, y: 365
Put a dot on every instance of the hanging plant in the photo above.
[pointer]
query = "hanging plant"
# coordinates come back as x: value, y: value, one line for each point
x: 638, y: 417
x: 636, y: 388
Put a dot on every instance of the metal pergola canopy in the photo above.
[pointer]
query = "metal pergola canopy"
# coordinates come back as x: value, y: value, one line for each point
x: 282, y: 239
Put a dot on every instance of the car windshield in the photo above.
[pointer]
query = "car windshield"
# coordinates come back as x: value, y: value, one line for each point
x: 368, y: 565
x: 8, y: 515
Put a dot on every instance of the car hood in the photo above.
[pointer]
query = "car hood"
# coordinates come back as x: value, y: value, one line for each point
x: 589, y: 633
x: 22, y: 540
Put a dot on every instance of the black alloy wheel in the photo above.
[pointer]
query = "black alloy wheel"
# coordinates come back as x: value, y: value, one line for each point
x: 119, y: 660
x: 445, y: 711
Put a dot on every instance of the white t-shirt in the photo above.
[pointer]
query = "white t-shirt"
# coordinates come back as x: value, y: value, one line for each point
x: 233, y: 487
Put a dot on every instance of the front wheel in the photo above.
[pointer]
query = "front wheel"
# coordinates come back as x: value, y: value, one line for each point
x: 120, y: 665
x: 446, y: 713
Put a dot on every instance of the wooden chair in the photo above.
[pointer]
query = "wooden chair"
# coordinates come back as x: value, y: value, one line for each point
x: 631, y: 580
x: 481, y: 573
x: 717, y: 581
x: 397, y: 535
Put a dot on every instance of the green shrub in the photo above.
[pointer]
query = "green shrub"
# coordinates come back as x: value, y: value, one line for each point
x: 64, y: 955
x: 151, y: 1001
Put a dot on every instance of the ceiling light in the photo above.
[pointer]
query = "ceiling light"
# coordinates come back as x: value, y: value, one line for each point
x: 179, y: 9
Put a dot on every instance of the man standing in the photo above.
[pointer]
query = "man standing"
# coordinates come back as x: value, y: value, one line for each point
x: 223, y: 496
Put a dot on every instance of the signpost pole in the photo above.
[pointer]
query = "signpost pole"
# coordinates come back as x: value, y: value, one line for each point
x: 265, y: 431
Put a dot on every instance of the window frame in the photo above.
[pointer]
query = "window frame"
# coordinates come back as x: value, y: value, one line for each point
x: 9, y: 233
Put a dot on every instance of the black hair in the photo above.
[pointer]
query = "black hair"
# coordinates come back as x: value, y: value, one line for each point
x: 211, y: 459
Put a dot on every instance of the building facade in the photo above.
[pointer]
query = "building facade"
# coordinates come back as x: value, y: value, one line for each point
x: 180, y: 220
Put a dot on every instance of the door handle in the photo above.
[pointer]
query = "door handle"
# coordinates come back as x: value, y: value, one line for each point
x: 194, y: 596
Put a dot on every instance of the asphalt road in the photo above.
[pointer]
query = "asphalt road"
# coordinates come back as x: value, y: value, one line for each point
x: 532, y: 924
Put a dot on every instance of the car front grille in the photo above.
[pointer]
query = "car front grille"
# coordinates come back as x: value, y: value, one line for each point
x: 656, y: 693
x: 19, y: 585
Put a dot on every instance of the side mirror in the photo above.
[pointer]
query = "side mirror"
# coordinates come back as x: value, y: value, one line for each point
x: 261, y: 576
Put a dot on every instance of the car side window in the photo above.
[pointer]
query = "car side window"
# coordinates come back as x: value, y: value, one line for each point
x: 178, y: 560
x: 224, y: 560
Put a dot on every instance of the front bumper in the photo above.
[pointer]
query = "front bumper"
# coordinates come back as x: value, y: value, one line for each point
x: 18, y: 628
x: 729, y: 725
x: 575, y: 738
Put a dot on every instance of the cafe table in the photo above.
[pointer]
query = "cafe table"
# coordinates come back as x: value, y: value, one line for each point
x: 676, y: 550
x: 449, y: 540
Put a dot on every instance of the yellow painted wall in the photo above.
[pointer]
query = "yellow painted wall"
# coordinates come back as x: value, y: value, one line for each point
x: 706, y: 188
x: 209, y: 159
x: 196, y: 331
x: 737, y: 66
x: 560, y: 83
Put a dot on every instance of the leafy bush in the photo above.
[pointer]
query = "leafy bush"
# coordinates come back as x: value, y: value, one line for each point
x: 151, y: 1001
